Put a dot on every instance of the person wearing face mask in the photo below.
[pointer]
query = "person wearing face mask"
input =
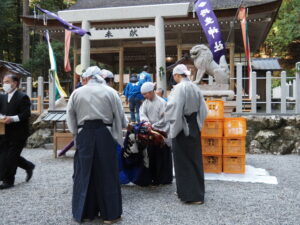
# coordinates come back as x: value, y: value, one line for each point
x: 15, y: 107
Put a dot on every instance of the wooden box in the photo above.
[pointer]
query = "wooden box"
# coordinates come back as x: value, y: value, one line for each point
x: 2, y: 127
x: 60, y: 141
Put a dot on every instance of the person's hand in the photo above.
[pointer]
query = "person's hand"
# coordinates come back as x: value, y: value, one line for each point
x: 8, y: 120
x: 129, y: 127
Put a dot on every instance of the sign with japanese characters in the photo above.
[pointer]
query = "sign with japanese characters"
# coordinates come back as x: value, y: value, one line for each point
x: 210, y: 26
x: 126, y: 33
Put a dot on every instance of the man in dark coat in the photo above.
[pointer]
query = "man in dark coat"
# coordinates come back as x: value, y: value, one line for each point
x: 15, y: 113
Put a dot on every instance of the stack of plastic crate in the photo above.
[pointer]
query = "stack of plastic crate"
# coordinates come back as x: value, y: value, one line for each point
x: 234, y: 144
x: 212, y: 137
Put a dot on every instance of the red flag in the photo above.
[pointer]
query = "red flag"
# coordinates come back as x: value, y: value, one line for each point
x: 67, y: 65
x: 243, y: 18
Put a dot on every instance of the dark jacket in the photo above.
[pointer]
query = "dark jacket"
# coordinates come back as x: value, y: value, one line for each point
x: 19, y: 105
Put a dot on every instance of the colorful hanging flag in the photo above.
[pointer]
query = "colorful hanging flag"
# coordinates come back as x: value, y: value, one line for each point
x: 67, y: 66
x: 65, y: 24
x: 58, y: 89
x: 210, y: 26
x: 244, y: 25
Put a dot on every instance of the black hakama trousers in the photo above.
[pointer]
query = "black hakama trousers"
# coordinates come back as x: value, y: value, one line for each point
x: 160, y: 164
x: 188, y: 163
x: 96, y: 187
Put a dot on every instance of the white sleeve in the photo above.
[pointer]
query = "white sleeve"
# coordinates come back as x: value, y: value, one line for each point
x: 71, y: 116
x: 174, y: 111
x: 124, y: 120
x: 143, y: 112
x: 162, y: 124
x: 15, y: 119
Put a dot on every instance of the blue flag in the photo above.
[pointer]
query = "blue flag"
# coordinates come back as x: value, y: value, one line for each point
x: 210, y: 26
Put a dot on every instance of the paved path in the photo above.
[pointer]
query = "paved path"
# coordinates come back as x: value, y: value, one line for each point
x: 46, y: 199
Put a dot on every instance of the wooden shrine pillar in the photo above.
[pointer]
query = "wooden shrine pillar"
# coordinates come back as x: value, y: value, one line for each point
x: 231, y: 66
x: 121, y: 69
x: 179, y: 46
x: 75, y: 63
x: 231, y: 56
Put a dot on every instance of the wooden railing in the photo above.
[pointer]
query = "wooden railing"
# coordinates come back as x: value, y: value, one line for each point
x: 249, y: 103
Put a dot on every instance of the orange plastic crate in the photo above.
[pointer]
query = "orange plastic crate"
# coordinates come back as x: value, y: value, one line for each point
x: 212, y: 128
x: 212, y: 164
x: 234, y: 127
x: 234, y: 164
x: 215, y: 109
x: 211, y: 146
x: 234, y: 146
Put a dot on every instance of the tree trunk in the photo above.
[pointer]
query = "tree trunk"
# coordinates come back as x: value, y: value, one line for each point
x: 26, y: 37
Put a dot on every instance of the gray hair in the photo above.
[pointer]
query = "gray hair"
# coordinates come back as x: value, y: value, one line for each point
x: 161, y: 90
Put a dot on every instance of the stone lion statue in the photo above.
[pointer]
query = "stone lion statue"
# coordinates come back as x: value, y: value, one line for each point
x: 203, y: 60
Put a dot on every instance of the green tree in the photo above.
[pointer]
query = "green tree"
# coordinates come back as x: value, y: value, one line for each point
x: 39, y: 64
x: 11, y: 26
x: 284, y: 36
x: 52, y: 5
x: 10, y: 30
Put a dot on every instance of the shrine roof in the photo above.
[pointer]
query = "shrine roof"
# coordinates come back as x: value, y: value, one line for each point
x: 217, y: 4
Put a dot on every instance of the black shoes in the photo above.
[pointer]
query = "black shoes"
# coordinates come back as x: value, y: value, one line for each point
x: 29, y: 174
x: 5, y: 186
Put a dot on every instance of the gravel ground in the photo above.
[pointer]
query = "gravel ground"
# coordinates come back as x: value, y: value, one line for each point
x: 46, y: 199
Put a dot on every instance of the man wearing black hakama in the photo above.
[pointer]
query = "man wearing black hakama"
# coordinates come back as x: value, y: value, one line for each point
x: 186, y: 111
x: 95, y: 117
x: 160, y: 157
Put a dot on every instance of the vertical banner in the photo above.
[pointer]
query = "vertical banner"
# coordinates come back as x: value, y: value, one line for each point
x: 59, y: 91
x: 244, y: 26
x: 67, y: 66
x: 210, y: 26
